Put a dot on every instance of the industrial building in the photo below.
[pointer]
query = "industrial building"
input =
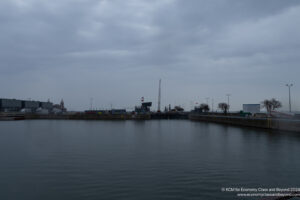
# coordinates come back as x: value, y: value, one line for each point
x: 251, y: 108
x: 46, y: 105
x: 32, y: 105
x: 10, y: 105
x: 118, y: 111
x: 14, y: 105
x: 144, y: 108
x: 112, y: 111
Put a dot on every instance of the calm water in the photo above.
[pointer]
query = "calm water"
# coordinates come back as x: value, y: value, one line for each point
x: 172, y: 159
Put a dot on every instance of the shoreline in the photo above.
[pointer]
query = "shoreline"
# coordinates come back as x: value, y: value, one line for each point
x: 281, y: 124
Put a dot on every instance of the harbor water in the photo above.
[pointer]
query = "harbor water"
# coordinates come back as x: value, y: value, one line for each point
x: 136, y: 160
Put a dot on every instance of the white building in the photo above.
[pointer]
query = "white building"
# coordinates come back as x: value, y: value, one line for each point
x: 251, y: 108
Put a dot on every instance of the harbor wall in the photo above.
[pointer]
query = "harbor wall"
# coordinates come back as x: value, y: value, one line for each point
x: 170, y: 115
x: 267, y: 123
x: 95, y: 116
x: 84, y: 116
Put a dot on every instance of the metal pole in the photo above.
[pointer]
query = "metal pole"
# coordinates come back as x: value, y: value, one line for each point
x: 290, y: 104
x: 290, y: 99
x: 228, y: 100
x: 159, y: 95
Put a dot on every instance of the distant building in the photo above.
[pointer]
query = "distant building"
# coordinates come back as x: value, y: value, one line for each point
x: 118, y: 111
x: 99, y: 112
x: 59, y: 108
x: 144, y: 108
x: 251, y: 108
x: 10, y: 105
x: 14, y: 105
x: 46, y: 105
x: 32, y: 105
x: 42, y: 111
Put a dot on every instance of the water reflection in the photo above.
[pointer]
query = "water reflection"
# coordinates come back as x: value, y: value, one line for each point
x: 155, y: 159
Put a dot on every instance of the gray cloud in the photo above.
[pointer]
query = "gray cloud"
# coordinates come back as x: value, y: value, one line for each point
x: 115, y: 51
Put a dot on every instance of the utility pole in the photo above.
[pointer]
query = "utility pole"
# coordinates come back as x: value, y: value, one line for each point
x: 228, y: 95
x: 289, y: 86
x: 212, y: 105
x: 159, y: 96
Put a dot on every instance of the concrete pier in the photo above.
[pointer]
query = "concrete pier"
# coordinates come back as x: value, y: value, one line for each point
x: 267, y: 123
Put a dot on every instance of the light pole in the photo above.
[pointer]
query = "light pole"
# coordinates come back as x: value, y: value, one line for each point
x: 289, y: 86
x: 228, y: 95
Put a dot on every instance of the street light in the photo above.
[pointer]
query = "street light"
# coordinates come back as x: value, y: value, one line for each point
x: 289, y: 86
x: 228, y: 95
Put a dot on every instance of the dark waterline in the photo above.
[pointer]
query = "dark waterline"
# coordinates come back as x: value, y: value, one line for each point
x: 166, y: 159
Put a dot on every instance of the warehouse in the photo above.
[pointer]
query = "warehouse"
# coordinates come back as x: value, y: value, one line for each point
x: 14, y: 105
x: 10, y: 105
x: 33, y: 105
x: 251, y: 108
x: 46, y: 105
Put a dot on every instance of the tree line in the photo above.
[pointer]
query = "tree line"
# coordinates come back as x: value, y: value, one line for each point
x: 269, y: 104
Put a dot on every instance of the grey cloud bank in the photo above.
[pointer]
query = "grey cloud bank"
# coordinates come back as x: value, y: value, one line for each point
x: 115, y: 51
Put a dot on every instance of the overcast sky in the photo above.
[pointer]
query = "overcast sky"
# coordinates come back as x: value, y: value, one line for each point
x: 115, y: 51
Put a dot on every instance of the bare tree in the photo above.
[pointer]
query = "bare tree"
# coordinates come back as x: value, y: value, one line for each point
x: 276, y: 104
x: 224, y: 107
x: 267, y: 104
x: 271, y: 104
x: 204, y: 107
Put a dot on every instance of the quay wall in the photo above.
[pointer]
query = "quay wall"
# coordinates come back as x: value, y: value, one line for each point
x: 48, y: 116
x: 174, y: 115
x: 89, y: 117
x: 267, y: 123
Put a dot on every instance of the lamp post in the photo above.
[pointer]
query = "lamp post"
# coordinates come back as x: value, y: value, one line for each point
x: 289, y: 86
x: 228, y: 95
